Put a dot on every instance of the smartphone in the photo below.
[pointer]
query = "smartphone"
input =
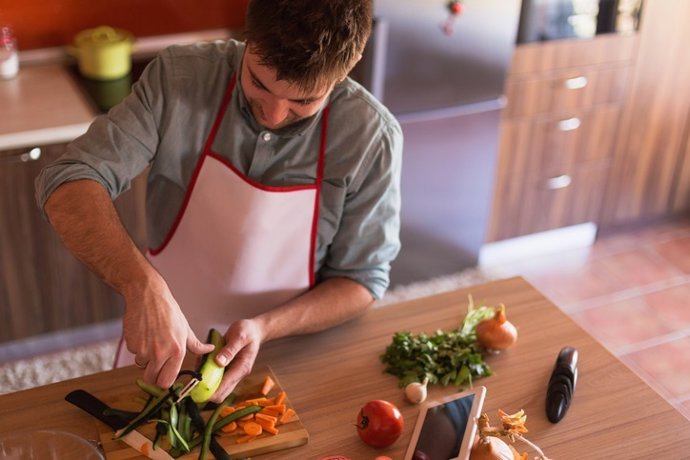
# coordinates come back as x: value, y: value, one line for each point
x: 446, y: 428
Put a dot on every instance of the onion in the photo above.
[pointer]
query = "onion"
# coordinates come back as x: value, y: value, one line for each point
x: 491, y: 448
x: 416, y: 392
x: 496, y: 333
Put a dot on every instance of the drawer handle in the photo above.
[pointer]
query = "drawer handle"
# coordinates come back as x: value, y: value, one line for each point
x: 569, y: 124
x: 576, y: 82
x: 31, y: 155
x: 558, y: 182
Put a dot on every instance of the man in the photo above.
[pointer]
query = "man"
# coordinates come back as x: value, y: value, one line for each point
x: 272, y: 195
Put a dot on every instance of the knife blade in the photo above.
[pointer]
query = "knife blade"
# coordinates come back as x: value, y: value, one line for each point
x: 97, y: 408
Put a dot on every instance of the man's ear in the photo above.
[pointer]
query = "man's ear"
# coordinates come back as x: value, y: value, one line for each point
x: 359, y: 58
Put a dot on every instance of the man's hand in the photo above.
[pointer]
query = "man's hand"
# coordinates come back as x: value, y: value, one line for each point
x: 304, y: 314
x: 155, y: 329
x: 242, y: 341
x: 158, y: 334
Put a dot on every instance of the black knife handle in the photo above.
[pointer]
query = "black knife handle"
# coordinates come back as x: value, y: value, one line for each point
x: 94, y: 406
x: 561, y: 387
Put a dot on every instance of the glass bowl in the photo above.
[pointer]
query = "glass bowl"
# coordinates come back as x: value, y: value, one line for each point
x: 47, y: 445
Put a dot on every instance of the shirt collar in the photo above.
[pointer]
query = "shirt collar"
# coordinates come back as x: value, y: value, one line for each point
x: 296, y: 129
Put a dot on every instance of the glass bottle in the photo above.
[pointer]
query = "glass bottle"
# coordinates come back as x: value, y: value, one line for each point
x: 9, y: 56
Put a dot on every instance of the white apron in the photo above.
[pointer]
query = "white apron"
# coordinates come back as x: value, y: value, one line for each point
x: 237, y: 248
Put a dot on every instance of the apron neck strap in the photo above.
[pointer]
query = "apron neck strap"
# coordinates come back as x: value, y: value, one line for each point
x: 221, y: 112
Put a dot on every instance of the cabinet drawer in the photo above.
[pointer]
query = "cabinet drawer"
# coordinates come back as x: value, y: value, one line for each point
x: 565, y: 90
x: 546, y: 146
x: 533, y: 205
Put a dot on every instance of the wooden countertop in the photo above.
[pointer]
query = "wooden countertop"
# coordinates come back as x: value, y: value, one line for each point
x: 328, y: 376
x: 42, y: 105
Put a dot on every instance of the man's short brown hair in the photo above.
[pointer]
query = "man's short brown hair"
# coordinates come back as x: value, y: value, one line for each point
x: 310, y: 43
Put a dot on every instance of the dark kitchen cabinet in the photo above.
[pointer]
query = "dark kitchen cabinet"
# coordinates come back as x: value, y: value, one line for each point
x: 558, y: 133
x: 43, y: 287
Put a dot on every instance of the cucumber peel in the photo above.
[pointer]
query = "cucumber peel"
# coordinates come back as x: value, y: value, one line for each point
x: 211, y: 373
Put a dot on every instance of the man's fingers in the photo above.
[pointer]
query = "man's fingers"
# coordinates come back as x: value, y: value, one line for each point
x: 196, y: 346
x: 151, y: 372
x: 169, y: 371
x: 240, y: 367
x: 227, y: 354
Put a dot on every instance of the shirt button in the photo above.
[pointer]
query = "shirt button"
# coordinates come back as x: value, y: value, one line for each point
x: 267, y: 137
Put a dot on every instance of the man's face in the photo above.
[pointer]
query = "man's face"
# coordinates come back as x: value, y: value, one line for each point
x: 276, y: 103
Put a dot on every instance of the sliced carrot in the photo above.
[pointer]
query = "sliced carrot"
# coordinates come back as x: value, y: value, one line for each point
x: 270, y: 429
x: 258, y: 402
x: 144, y: 449
x: 230, y: 427
x: 280, y: 398
x: 287, y: 416
x: 263, y: 416
x: 247, y: 417
x: 252, y: 428
x: 266, y: 423
x: 271, y: 412
x: 280, y: 408
x: 267, y: 385
x: 227, y: 410
x: 243, y: 439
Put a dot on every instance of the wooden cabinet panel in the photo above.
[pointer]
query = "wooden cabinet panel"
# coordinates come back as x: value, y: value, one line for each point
x: 549, y: 146
x: 681, y: 195
x: 43, y: 288
x: 539, y: 204
x: 558, y: 133
x: 562, y: 144
x: 565, y: 90
x: 539, y: 57
x: 653, y: 133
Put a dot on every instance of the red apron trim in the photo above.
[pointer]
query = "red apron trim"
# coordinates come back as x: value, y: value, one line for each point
x: 221, y: 112
x: 209, y: 152
x: 209, y: 140
x: 259, y: 185
x: 317, y: 200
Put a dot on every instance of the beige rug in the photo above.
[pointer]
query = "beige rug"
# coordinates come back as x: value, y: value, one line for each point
x: 92, y: 358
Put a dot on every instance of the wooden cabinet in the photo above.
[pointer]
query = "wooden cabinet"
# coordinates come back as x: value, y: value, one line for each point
x: 557, y: 133
x: 651, y: 175
x: 681, y: 195
x: 43, y: 288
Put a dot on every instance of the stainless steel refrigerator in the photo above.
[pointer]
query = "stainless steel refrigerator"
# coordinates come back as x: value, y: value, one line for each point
x: 446, y: 87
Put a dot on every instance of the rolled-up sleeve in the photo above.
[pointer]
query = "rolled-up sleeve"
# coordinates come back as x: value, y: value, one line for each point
x: 118, y: 145
x: 368, y: 237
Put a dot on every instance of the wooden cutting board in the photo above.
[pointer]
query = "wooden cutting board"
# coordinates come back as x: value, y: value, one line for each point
x: 291, y: 434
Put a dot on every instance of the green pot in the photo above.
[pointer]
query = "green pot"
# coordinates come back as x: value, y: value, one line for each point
x: 103, y: 53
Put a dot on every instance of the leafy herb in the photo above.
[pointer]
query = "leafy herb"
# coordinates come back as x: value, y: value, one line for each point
x: 446, y: 357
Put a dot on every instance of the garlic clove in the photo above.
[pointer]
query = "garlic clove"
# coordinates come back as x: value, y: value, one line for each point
x: 416, y: 392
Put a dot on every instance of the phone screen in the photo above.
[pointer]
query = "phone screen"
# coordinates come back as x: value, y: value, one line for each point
x: 443, y: 430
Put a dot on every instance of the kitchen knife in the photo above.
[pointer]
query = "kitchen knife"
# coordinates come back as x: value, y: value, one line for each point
x: 94, y: 406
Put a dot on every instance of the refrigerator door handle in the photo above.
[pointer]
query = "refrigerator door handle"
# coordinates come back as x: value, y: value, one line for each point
x: 472, y: 108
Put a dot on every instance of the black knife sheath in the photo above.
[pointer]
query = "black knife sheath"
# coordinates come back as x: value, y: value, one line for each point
x: 562, y: 383
x: 94, y: 406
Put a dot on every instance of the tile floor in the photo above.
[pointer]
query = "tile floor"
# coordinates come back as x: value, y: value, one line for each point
x: 631, y: 291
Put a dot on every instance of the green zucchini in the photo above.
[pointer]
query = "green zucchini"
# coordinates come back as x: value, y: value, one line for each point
x: 211, y: 373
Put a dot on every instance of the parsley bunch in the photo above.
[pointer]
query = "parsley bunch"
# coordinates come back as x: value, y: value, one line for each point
x: 446, y: 357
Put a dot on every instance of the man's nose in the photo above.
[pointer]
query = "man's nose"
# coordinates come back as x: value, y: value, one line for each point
x: 276, y: 110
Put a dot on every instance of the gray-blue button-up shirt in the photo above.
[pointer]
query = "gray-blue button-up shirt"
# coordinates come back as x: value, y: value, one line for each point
x: 166, y: 120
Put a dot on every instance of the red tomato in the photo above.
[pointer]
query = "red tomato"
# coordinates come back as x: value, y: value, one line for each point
x: 379, y: 423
